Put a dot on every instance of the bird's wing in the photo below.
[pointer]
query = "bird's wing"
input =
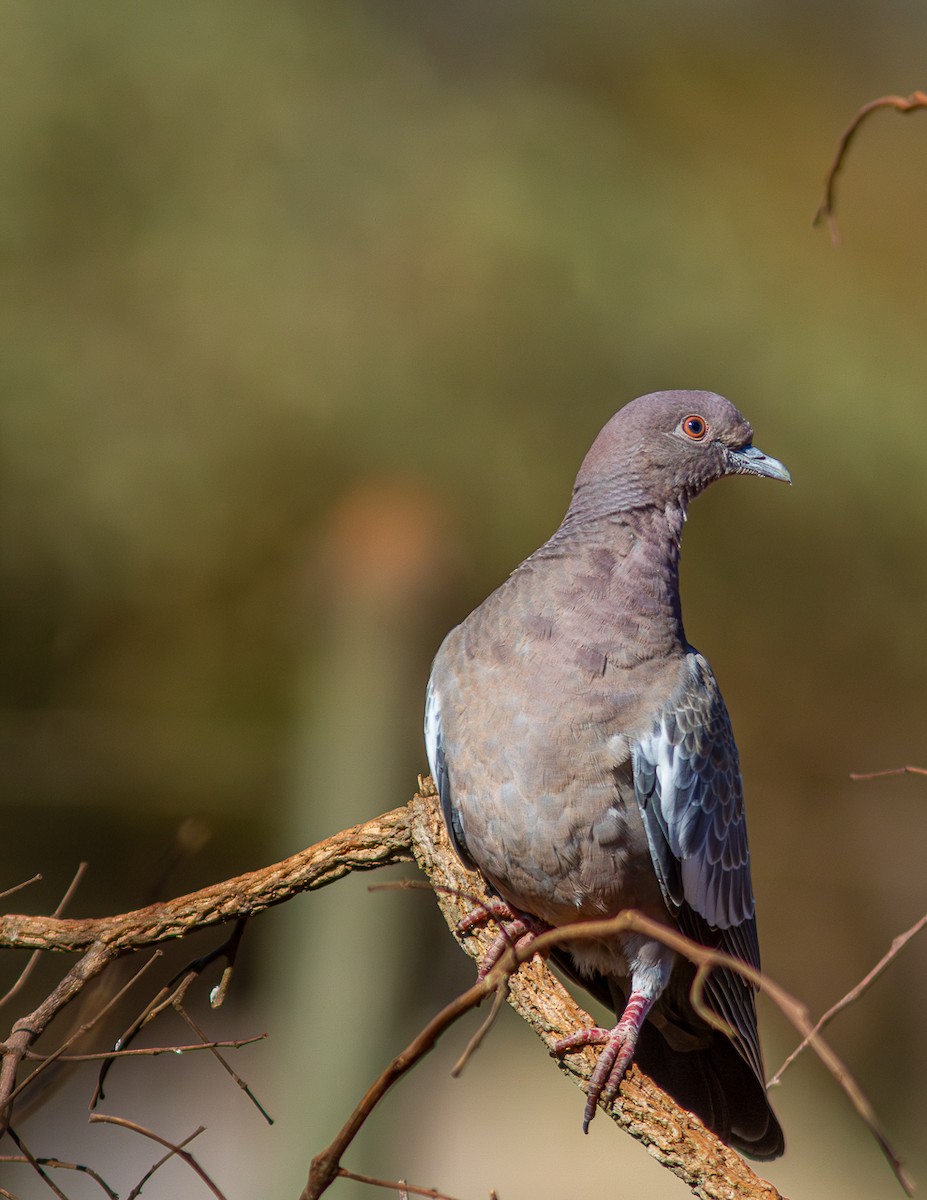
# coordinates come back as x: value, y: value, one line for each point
x: 688, y: 786
x: 437, y: 760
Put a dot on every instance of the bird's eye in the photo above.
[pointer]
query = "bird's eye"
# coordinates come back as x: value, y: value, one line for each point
x: 695, y: 427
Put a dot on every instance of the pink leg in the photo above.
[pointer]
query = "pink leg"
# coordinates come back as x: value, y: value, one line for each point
x: 516, y: 929
x: 619, y: 1045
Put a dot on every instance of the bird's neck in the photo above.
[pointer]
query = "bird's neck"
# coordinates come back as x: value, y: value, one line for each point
x: 626, y: 569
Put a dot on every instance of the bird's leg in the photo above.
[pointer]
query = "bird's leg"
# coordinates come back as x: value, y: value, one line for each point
x: 619, y: 1045
x: 517, y: 929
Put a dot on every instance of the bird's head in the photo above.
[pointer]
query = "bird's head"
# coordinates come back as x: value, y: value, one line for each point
x: 665, y: 448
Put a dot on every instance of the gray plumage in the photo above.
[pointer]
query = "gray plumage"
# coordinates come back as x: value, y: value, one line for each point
x: 585, y: 760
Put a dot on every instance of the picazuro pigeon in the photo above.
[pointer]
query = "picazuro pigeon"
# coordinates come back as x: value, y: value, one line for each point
x: 585, y: 761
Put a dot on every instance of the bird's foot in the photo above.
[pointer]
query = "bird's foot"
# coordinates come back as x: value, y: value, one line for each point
x: 516, y: 930
x: 618, y: 1045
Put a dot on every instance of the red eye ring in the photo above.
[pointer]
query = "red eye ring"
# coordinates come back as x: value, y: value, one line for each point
x: 694, y: 427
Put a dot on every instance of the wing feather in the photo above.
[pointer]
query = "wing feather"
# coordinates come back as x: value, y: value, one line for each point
x: 437, y: 761
x: 688, y: 786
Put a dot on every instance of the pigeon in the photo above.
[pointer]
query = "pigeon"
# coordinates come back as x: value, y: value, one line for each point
x: 585, y: 763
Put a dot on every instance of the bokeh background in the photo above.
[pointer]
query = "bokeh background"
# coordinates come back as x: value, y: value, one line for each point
x: 309, y: 312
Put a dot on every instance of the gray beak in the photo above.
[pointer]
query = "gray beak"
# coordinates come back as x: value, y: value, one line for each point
x: 748, y: 460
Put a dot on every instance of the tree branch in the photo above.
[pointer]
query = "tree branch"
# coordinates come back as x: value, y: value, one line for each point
x: 827, y: 209
x: 377, y: 843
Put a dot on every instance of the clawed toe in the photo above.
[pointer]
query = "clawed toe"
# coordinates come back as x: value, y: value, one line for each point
x: 516, y: 930
x: 589, y: 1036
x: 618, y: 1046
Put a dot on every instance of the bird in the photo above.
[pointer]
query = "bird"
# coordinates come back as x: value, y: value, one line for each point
x: 585, y: 763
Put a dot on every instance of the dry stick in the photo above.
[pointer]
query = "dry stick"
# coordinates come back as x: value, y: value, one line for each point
x: 35, y: 1164
x: 182, y: 1012
x: 172, y: 996
x: 28, y: 1028
x: 325, y: 1166
x: 35, y: 956
x: 137, y: 1190
x: 171, y: 992
x: 144, y: 1052
x: 888, y: 772
x: 64, y: 1166
x: 175, y: 1148
x: 501, y: 995
x: 35, y: 1026
x: 853, y: 994
x: 399, y: 1186
x: 902, y: 104
x: 18, y: 887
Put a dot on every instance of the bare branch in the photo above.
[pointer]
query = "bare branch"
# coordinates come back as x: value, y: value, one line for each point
x: 182, y: 1012
x: 889, y: 771
x: 325, y: 1166
x: 63, y: 1166
x: 33, y: 1162
x: 144, y: 1051
x: 399, y: 1186
x: 902, y: 104
x: 137, y: 1190
x: 176, y: 1148
x: 28, y: 1028
x: 18, y: 887
x: 376, y: 843
x: 852, y: 995
x: 34, y: 957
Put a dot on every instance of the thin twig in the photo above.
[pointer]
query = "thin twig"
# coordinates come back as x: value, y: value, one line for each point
x: 162, y: 1000
x: 28, y: 1028
x: 64, y: 1166
x: 325, y: 1166
x: 172, y: 996
x: 36, y: 954
x: 33, y: 1162
x: 902, y: 104
x: 500, y: 997
x: 145, y: 1051
x: 853, y: 994
x: 182, y: 1012
x: 399, y: 1186
x: 175, y: 1147
x: 35, y: 1026
x: 165, y: 1158
x: 18, y: 887
x: 855, y: 775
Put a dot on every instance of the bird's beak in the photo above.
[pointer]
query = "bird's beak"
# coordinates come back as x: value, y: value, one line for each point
x: 748, y: 460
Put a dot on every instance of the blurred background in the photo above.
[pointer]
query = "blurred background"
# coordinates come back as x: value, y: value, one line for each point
x: 309, y: 314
